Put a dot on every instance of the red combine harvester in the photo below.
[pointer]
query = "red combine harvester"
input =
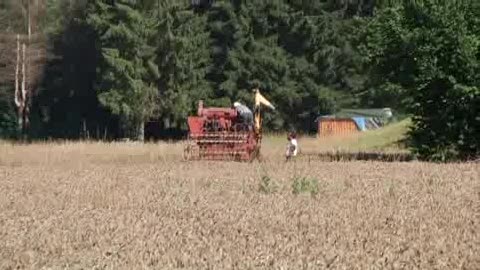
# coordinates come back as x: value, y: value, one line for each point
x: 225, y: 133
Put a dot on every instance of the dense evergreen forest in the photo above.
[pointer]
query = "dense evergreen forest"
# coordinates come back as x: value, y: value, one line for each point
x: 108, y: 69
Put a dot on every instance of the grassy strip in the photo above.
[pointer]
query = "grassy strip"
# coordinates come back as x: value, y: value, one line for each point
x: 365, y: 156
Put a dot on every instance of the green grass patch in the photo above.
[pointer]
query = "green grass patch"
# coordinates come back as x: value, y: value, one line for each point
x: 305, y: 185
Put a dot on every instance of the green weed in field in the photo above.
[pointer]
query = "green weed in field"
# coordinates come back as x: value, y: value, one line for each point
x: 266, y: 185
x: 305, y: 185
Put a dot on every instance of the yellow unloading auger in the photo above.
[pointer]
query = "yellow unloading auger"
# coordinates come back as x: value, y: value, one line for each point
x: 259, y: 100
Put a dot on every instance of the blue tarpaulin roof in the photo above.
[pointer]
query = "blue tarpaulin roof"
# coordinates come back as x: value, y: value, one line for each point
x: 360, y: 121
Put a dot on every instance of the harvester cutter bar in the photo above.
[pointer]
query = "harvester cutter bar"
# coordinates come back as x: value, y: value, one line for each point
x: 218, y: 146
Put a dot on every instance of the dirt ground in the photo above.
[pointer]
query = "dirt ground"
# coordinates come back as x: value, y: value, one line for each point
x: 102, y: 207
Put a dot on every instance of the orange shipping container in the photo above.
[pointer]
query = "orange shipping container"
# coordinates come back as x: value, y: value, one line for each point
x: 336, y: 126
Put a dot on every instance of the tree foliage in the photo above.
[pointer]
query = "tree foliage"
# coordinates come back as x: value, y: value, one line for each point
x: 427, y: 56
x: 127, y: 73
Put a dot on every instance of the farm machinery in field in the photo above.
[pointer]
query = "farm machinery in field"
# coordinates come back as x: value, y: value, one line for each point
x: 226, y: 133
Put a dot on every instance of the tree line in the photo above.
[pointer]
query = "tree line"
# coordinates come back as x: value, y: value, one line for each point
x: 119, y: 68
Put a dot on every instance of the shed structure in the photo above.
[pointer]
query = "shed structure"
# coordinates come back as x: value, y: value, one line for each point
x: 350, y: 121
x: 332, y: 126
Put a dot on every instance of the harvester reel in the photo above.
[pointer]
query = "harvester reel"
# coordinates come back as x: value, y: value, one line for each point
x: 238, y: 127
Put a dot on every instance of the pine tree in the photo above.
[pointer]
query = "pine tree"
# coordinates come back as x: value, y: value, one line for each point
x: 183, y: 58
x: 247, y: 55
x: 127, y: 73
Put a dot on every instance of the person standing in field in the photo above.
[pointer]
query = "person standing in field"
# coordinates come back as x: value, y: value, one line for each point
x: 292, y: 146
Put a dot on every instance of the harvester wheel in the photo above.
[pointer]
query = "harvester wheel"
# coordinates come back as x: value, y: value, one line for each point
x: 187, y: 152
x: 237, y: 157
x: 255, y: 154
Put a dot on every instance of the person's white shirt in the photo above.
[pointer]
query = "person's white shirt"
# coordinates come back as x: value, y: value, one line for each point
x: 294, y: 143
x: 292, y: 148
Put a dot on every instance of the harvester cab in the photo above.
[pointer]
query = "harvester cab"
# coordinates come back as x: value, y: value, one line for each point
x: 226, y: 133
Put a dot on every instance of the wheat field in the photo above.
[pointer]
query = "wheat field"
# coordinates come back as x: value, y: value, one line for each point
x: 132, y: 206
